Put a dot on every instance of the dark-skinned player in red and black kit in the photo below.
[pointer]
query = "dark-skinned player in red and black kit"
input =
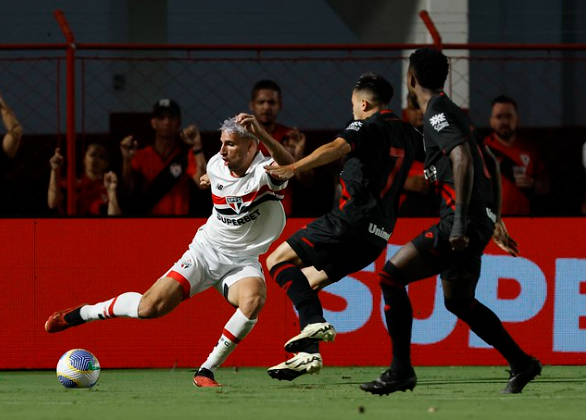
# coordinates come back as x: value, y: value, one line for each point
x: 467, y: 179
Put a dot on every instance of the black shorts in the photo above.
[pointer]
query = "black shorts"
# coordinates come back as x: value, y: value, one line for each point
x: 328, y: 244
x: 434, y: 247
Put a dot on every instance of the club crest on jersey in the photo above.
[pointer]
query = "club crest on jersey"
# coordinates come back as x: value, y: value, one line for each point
x: 186, y: 263
x: 356, y: 125
x: 176, y: 170
x: 235, y: 203
x: 439, y: 122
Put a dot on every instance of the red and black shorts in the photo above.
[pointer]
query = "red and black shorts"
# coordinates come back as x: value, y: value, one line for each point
x: 434, y: 247
x: 329, y: 244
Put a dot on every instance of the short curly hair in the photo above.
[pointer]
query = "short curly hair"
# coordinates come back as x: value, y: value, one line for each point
x: 430, y: 67
x: 379, y: 87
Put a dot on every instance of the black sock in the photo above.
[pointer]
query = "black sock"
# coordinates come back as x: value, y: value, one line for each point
x: 486, y: 325
x: 399, y: 320
x: 305, y: 299
x: 74, y: 317
x: 205, y: 372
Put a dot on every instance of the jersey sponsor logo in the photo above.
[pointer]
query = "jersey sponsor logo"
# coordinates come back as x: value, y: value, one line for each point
x: 235, y: 203
x: 176, y: 170
x: 186, y: 263
x: 240, y: 221
x: 380, y: 232
x: 439, y: 122
x: 220, y: 187
x: 430, y: 173
x: 355, y: 126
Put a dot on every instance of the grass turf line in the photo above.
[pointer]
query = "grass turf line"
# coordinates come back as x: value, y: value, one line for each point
x: 248, y: 393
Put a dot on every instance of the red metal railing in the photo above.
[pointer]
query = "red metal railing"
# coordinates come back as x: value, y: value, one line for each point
x: 70, y: 110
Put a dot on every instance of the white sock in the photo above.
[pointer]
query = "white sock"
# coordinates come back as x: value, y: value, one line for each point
x: 234, y: 332
x: 125, y: 305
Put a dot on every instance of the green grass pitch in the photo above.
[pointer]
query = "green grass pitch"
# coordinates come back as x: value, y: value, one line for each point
x: 248, y: 393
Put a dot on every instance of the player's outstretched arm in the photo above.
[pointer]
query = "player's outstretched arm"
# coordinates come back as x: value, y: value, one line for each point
x: 323, y: 155
x: 278, y: 152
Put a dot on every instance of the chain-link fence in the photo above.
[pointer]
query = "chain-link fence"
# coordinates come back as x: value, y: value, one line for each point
x: 115, y: 92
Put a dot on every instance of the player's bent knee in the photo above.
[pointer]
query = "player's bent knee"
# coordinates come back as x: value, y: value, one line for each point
x: 251, y: 305
x: 460, y: 307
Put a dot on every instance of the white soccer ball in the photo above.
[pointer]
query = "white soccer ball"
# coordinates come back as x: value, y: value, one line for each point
x: 78, y: 368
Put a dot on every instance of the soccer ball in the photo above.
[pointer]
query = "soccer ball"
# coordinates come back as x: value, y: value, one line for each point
x: 78, y: 368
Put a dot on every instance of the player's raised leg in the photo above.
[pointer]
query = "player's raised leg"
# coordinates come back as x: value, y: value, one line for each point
x: 163, y: 296
x: 248, y: 295
x: 285, y: 267
x: 301, y: 286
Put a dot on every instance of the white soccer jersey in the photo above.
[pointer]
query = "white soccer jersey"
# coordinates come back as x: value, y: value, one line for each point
x: 247, y: 215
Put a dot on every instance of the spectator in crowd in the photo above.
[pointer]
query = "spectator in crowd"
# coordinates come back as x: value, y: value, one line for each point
x: 417, y: 198
x: 95, y: 190
x: 156, y: 178
x: 265, y: 104
x: 10, y: 146
x: 523, y: 172
x: 11, y: 140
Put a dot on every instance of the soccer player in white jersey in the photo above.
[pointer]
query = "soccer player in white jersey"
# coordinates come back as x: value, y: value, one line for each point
x: 247, y: 217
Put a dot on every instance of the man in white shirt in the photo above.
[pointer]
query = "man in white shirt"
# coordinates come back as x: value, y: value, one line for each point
x: 247, y: 217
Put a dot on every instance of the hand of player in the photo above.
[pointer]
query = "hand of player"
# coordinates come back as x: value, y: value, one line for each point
x: 191, y: 136
x: 128, y: 147
x: 503, y: 240
x: 251, y: 124
x: 459, y: 243
x: 295, y: 143
x: 204, y: 181
x: 110, y: 182
x: 280, y: 172
x: 56, y: 161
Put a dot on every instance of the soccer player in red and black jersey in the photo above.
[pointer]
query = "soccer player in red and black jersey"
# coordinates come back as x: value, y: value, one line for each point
x: 469, y: 217
x: 378, y: 149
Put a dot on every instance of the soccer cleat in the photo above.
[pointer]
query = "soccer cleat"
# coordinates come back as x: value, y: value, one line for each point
x: 298, y: 365
x: 389, y: 382
x: 312, y: 333
x: 58, y: 322
x: 518, y: 380
x: 204, y: 378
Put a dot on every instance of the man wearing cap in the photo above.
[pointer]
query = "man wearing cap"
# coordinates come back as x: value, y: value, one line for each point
x: 157, y: 176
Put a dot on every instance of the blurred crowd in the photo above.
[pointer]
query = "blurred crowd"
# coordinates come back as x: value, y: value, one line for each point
x: 159, y: 176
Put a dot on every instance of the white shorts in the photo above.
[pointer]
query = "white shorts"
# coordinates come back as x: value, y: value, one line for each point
x: 201, y: 267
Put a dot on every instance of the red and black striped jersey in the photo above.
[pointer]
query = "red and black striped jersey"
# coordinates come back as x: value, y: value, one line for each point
x: 446, y: 126
x: 374, y: 172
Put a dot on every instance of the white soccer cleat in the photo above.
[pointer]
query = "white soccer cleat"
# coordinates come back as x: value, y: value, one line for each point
x: 312, y: 333
x: 298, y: 365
